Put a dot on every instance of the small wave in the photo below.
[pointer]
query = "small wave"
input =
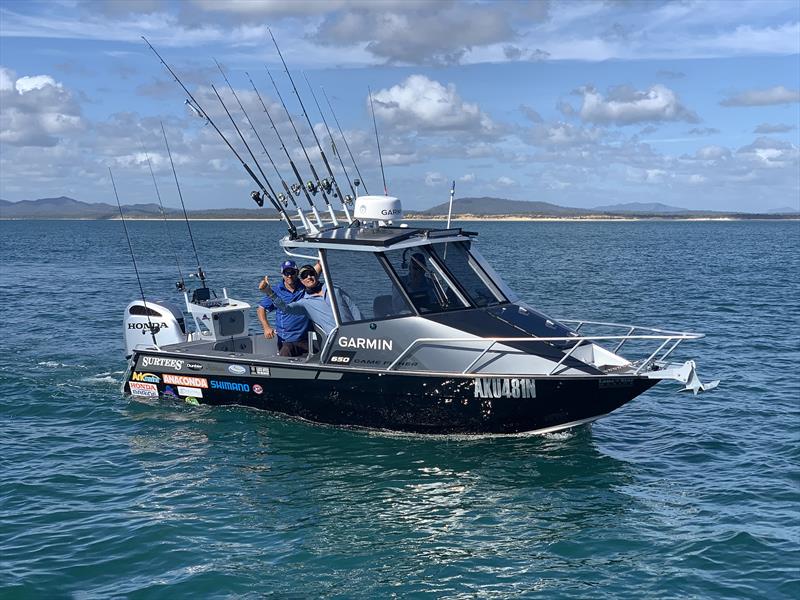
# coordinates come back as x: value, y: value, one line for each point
x: 101, y: 378
x: 54, y: 364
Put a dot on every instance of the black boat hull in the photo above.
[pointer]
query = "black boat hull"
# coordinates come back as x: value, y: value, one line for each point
x: 407, y: 402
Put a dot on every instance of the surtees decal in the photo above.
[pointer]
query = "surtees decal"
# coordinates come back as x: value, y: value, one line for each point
x: 198, y: 382
x: 191, y: 392
x: 143, y: 390
x: 505, y: 388
x: 146, y: 377
x: 258, y: 389
x: 195, y: 366
x: 364, y: 343
x: 157, y: 361
x: 254, y: 370
x: 237, y: 369
x: 230, y: 386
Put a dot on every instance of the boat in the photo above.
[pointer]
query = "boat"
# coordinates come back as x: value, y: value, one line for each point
x: 465, y: 357
x: 428, y: 338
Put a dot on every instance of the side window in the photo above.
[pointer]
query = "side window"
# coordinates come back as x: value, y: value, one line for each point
x: 466, y: 270
x: 363, y: 289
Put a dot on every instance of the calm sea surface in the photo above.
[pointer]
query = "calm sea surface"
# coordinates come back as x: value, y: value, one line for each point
x: 674, y: 496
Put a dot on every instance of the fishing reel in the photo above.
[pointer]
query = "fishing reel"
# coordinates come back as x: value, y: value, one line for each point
x: 326, y: 186
x: 348, y: 200
x: 295, y: 187
x: 282, y: 199
x: 257, y: 198
x: 312, y: 187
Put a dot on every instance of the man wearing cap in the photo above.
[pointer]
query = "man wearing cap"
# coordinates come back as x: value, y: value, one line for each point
x: 291, y: 328
x: 316, y: 304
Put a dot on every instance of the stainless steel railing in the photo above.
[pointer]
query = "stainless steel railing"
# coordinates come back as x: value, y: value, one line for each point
x: 669, y: 340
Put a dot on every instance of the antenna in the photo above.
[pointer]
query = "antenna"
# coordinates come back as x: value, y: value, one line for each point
x: 180, y: 285
x: 338, y: 155
x: 324, y: 184
x: 199, y: 109
x: 378, y: 141
x: 200, y: 273
x: 280, y: 197
x: 133, y: 259
x: 361, y: 179
x: 295, y: 188
x: 450, y: 208
x: 310, y: 185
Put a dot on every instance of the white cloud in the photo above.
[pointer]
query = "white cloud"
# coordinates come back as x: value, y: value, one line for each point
x: 467, y: 178
x: 505, y: 181
x: 770, y: 154
x: 774, y: 128
x: 774, y: 95
x: 425, y: 105
x: 625, y: 105
x: 434, y: 179
x: 37, y: 110
x: 712, y: 153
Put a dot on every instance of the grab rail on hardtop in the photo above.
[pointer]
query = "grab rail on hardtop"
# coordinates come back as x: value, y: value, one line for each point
x: 667, y: 337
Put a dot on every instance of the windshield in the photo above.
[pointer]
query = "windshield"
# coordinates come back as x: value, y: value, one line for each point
x: 468, y: 274
x: 424, y: 281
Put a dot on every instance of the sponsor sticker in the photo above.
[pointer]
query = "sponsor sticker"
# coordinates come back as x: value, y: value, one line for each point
x: 191, y: 392
x: 237, y: 369
x: 157, y: 361
x: 198, y: 382
x: 146, y: 377
x: 258, y: 389
x: 254, y: 370
x: 231, y: 386
x: 364, y: 343
x: 194, y: 366
x: 143, y: 390
x: 505, y: 388
x: 169, y: 391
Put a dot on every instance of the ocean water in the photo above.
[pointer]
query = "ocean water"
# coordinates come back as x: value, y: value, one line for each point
x: 673, y: 496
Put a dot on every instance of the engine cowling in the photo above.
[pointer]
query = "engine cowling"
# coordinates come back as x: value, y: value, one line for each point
x: 164, y: 319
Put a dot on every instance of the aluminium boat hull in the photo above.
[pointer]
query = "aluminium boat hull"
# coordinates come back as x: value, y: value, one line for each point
x: 408, y: 402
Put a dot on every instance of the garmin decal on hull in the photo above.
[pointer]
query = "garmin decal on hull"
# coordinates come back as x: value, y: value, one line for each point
x: 157, y: 361
x: 505, y: 388
x: 229, y: 385
x: 365, y: 343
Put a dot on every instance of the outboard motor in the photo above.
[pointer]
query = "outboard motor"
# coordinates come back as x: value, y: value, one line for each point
x: 165, y: 319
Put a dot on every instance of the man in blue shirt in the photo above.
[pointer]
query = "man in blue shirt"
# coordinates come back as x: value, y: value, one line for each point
x: 315, y: 303
x: 291, y: 328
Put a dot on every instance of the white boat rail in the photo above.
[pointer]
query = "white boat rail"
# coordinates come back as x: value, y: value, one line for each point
x: 671, y: 338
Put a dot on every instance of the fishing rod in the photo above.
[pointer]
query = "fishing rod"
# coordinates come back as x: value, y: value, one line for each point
x: 253, y: 156
x: 133, y: 259
x: 295, y: 187
x: 319, y: 186
x: 324, y: 184
x: 280, y: 196
x: 200, y: 272
x: 377, y: 141
x: 199, y: 109
x: 360, y: 178
x: 180, y: 284
x: 338, y: 155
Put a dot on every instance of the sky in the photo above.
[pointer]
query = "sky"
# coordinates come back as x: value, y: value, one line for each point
x: 694, y: 104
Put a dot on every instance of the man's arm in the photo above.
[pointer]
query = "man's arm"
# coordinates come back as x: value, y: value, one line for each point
x: 295, y: 308
x: 269, y: 332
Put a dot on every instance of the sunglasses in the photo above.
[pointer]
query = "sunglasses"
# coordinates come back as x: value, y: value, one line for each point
x: 290, y: 272
x: 308, y: 274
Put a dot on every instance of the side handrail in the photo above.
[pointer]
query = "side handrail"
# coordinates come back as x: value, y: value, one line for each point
x: 666, y: 338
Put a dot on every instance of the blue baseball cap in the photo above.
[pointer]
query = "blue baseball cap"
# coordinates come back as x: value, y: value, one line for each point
x: 288, y: 264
